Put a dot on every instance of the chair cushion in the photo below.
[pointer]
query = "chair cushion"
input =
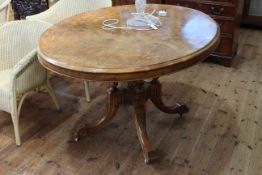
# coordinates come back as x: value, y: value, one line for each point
x: 5, y: 78
x: 29, y: 7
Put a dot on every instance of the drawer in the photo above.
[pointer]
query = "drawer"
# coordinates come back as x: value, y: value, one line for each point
x: 226, y: 1
x: 186, y: 4
x: 222, y: 2
x: 225, y: 47
x: 208, y: 8
x: 154, y: 1
x: 226, y: 26
x: 217, y: 10
x: 129, y: 2
x: 122, y: 2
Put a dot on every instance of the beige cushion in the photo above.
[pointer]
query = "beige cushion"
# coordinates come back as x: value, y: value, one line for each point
x: 5, y: 77
x: 5, y: 80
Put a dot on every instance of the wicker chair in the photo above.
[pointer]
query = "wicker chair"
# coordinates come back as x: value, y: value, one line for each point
x: 20, y: 70
x: 66, y: 8
x: 4, y: 10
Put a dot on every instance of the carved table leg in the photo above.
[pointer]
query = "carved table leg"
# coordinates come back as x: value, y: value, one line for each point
x: 136, y: 94
x: 140, y: 121
x: 113, y: 102
x: 156, y: 95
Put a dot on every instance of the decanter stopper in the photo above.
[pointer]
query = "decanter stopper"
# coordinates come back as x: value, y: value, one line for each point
x: 140, y: 6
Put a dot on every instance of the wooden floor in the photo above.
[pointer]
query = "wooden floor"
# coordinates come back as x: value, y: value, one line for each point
x: 221, y: 135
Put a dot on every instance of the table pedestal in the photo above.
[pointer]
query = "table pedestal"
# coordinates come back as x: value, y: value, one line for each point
x: 135, y: 94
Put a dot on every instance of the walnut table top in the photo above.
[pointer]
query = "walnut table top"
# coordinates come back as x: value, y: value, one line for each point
x: 79, y: 47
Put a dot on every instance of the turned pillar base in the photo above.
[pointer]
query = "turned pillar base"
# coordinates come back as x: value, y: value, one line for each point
x: 135, y: 94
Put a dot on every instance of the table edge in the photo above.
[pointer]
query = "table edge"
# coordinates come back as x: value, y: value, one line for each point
x: 165, y: 68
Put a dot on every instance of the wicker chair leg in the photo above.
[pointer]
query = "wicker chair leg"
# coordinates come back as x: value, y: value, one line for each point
x: 52, y: 94
x: 87, y: 93
x: 15, y: 120
x: 21, y: 102
x: 16, y: 130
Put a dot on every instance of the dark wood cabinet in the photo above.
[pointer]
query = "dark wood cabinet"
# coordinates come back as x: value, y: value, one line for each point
x: 252, y: 13
x: 227, y: 13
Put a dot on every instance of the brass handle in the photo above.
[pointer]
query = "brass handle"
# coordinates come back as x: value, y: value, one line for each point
x: 218, y: 11
x: 220, y: 24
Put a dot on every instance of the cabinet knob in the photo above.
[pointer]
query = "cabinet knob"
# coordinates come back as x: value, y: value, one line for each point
x: 217, y: 11
x: 220, y: 24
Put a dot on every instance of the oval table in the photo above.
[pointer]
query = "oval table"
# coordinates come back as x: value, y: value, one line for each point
x: 78, y: 47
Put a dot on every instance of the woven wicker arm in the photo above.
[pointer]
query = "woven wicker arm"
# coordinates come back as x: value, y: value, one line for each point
x: 27, y: 74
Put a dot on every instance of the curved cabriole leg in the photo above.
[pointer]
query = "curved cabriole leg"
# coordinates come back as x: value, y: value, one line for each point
x: 113, y: 103
x: 140, y: 122
x: 156, y: 98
